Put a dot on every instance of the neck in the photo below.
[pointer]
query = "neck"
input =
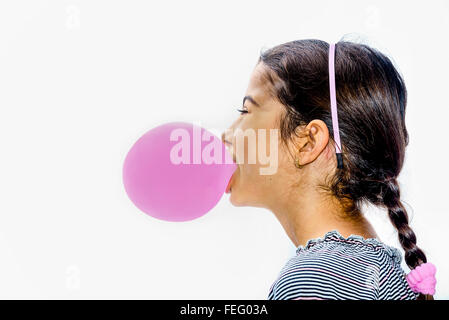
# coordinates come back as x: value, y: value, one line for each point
x: 310, y: 214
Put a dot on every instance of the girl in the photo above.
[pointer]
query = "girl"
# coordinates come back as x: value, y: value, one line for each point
x: 329, y: 164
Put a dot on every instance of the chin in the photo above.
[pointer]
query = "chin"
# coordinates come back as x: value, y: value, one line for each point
x: 235, y: 200
x: 239, y: 200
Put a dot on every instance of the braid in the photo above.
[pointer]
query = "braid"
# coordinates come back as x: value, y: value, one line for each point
x: 414, y: 256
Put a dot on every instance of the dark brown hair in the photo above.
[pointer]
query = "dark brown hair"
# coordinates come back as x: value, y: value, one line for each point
x: 371, y: 99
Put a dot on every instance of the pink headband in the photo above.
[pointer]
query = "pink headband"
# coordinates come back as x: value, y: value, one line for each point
x: 422, y: 278
x: 334, y: 105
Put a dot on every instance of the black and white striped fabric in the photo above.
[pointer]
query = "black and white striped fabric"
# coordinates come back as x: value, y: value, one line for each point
x: 334, y: 267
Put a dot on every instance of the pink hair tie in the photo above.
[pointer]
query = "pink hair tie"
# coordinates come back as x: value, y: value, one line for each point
x: 422, y: 278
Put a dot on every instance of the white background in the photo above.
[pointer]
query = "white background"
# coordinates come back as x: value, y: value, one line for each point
x: 81, y: 81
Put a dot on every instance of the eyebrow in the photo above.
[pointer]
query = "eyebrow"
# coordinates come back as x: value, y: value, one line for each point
x: 250, y: 99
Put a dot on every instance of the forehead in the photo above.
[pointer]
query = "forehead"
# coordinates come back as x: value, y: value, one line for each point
x: 259, y: 87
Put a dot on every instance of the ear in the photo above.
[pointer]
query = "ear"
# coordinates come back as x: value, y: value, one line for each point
x: 311, y: 141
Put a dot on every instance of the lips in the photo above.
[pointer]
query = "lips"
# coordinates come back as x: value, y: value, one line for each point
x: 228, y: 187
x: 228, y: 145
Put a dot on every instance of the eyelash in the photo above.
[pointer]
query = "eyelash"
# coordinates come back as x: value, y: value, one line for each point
x: 242, y: 111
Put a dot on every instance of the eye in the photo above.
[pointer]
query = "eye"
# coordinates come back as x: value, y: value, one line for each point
x: 242, y: 111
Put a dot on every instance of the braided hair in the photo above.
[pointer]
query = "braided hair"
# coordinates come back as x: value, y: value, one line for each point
x: 414, y: 256
x: 372, y: 98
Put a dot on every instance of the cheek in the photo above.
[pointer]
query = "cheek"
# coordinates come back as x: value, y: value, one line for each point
x: 256, y: 154
x: 250, y: 173
x: 250, y: 146
x: 249, y: 159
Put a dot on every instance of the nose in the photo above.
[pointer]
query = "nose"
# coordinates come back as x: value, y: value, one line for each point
x: 223, y: 138
x: 228, y: 145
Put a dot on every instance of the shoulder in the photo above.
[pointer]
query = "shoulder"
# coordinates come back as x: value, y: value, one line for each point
x: 330, y: 270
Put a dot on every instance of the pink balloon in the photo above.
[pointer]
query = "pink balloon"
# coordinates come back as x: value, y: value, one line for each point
x: 177, y: 171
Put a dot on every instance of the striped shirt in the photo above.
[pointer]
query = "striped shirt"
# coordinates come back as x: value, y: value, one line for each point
x: 334, y: 267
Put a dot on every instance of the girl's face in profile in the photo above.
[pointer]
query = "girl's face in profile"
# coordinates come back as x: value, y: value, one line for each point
x: 253, y: 139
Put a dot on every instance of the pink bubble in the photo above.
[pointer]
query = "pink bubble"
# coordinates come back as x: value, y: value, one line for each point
x: 177, y: 171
